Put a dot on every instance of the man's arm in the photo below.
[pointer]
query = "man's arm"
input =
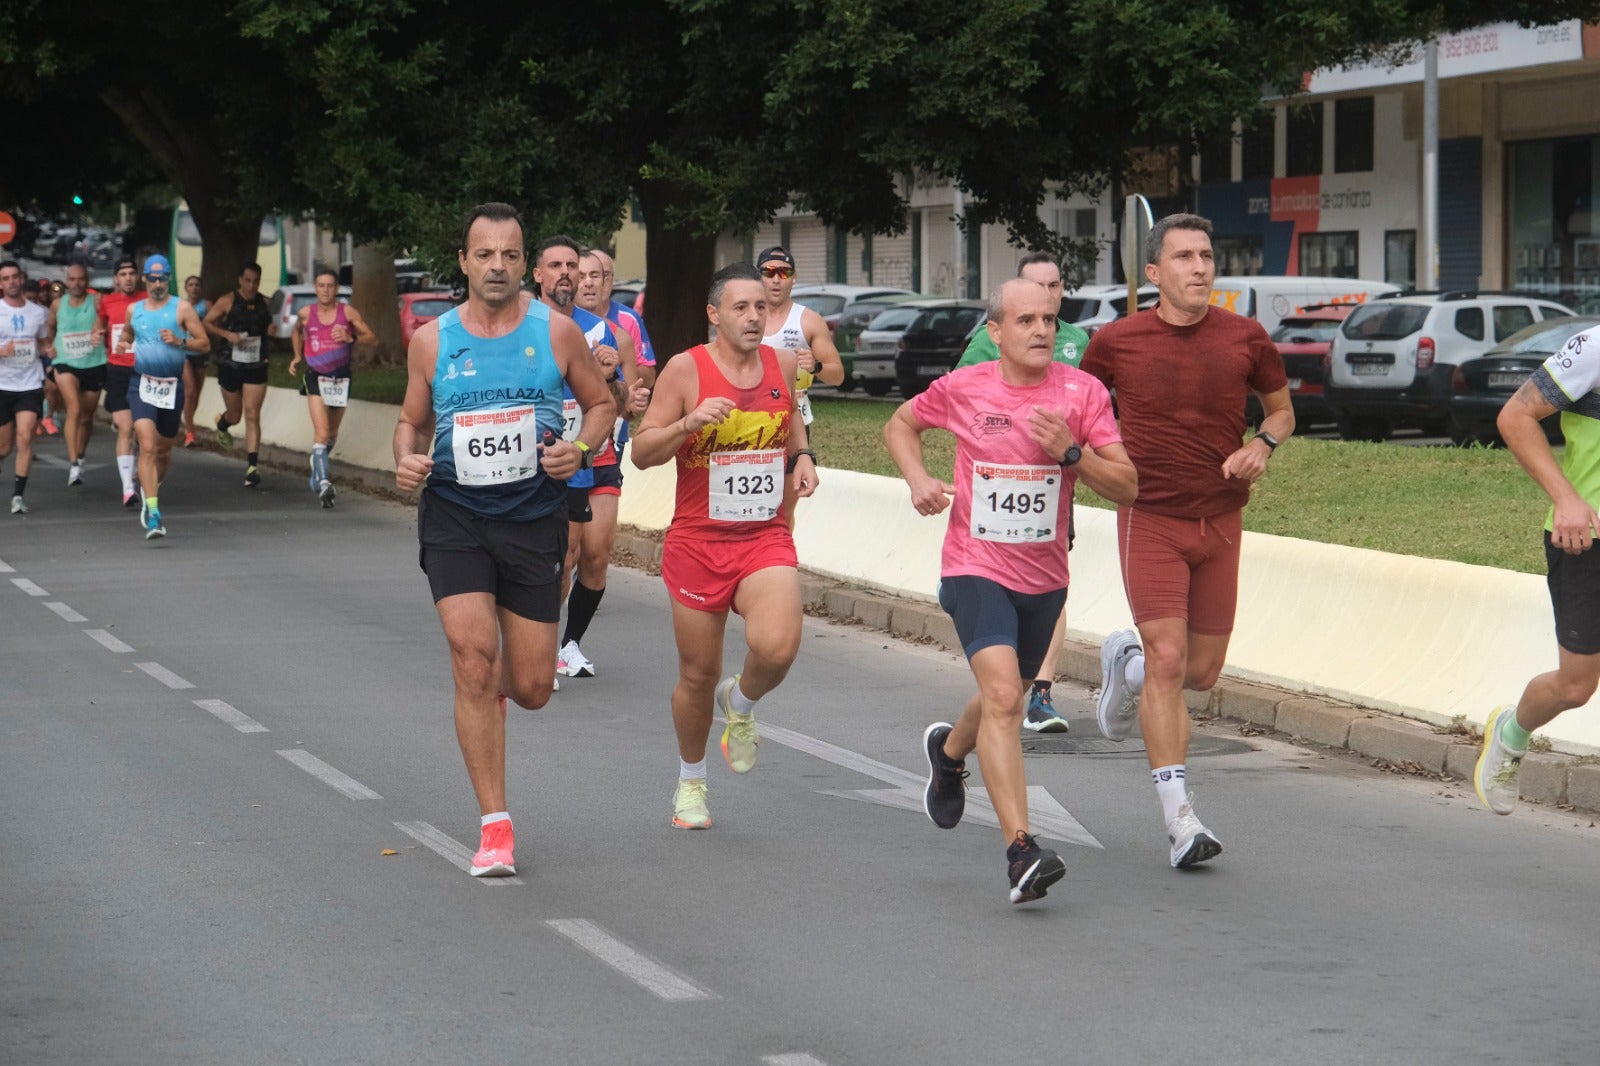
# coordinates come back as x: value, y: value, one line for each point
x: 414, y: 428
x: 197, y: 342
x: 563, y: 458
x: 1250, y: 461
x: 825, y: 362
x: 902, y: 435
x: 1575, y: 522
x: 673, y: 416
x: 802, y: 468
x: 213, y: 320
x: 363, y: 333
x: 297, y: 340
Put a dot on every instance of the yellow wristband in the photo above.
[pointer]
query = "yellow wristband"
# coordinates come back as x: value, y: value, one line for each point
x: 581, y: 445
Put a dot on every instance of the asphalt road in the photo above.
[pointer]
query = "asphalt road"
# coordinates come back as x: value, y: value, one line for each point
x: 208, y: 743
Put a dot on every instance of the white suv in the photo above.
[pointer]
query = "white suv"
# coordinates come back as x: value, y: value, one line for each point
x: 1392, y: 360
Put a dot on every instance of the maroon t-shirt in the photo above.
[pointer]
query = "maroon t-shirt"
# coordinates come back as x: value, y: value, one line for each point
x: 1180, y: 394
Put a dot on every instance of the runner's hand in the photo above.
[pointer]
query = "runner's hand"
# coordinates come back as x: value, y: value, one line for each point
x: 712, y: 411
x: 930, y: 495
x: 1048, y: 428
x: 607, y: 357
x: 343, y: 335
x: 560, y: 460
x: 1574, y: 525
x: 294, y: 366
x: 411, y: 471
x: 805, y: 360
x: 170, y: 337
x: 1247, y: 463
x: 638, y: 398
x: 804, y: 476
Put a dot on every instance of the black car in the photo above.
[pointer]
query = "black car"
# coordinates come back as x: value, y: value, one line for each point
x: 1482, y: 386
x: 932, y: 345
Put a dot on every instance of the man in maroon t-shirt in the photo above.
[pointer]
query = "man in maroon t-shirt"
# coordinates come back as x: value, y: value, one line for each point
x: 1181, y: 372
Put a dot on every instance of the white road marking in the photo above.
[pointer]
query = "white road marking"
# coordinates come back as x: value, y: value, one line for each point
x: 63, y: 464
x: 107, y: 641
x: 1046, y: 816
x: 6, y: 568
x: 335, y: 779
x: 232, y: 715
x: 67, y: 613
x: 639, y: 968
x: 163, y: 675
x: 449, y: 849
x: 794, y: 1058
x: 28, y: 586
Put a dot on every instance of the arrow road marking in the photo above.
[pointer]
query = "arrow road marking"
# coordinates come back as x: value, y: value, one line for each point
x: 1046, y: 816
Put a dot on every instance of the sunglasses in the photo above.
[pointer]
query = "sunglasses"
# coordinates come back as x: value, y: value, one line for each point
x: 158, y: 277
x: 777, y: 272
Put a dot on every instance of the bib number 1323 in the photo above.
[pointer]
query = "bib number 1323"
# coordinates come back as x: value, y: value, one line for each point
x: 746, y: 486
x: 496, y: 447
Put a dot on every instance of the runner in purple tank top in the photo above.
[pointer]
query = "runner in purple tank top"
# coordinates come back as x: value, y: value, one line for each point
x: 324, y: 334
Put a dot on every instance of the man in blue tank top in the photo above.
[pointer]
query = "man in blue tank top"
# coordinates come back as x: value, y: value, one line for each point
x: 484, y: 382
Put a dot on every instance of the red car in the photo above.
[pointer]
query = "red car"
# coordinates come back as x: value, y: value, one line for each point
x: 419, y: 307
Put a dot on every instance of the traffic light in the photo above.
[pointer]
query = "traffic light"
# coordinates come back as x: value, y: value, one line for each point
x: 77, y: 201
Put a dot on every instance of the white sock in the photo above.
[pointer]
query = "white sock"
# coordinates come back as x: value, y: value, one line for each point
x: 738, y: 700
x: 1135, y: 672
x: 691, y: 771
x: 1171, y: 788
x: 497, y: 816
x: 125, y: 467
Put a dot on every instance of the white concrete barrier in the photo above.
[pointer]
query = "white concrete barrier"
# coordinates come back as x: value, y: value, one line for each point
x: 1425, y: 638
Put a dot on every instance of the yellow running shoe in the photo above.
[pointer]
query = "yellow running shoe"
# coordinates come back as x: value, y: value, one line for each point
x: 739, y: 738
x: 689, y: 805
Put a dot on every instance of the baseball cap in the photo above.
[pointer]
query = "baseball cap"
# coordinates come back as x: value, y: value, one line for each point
x: 157, y: 264
x: 776, y: 252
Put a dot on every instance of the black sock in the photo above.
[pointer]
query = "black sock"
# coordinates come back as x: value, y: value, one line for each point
x: 223, y: 423
x: 250, y: 459
x: 1042, y: 686
x: 22, y: 486
x: 581, y: 605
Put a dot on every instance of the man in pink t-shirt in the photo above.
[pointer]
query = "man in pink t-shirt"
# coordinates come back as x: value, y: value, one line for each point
x: 1026, y: 429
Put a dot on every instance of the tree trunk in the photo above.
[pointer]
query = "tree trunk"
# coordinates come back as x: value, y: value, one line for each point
x: 373, y: 294
x: 678, y: 267
x: 228, y: 244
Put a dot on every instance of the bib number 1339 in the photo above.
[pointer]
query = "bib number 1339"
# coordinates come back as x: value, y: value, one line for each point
x: 1015, y: 504
x: 496, y: 447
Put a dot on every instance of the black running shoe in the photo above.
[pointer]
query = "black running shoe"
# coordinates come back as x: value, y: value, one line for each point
x: 1033, y: 869
x: 946, y: 795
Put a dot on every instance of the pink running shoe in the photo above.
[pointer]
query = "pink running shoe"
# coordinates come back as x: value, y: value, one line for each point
x: 494, y: 858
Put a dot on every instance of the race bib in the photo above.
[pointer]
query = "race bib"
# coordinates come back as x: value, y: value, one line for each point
x: 746, y: 486
x: 77, y: 345
x: 802, y: 403
x: 159, y: 392
x: 114, y: 339
x: 496, y: 447
x: 248, y: 350
x: 24, y: 351
x: 1015, y: 504
x: 571, y: 420
x: 335, y: 391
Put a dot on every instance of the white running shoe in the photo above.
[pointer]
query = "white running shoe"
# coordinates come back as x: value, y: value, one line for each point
x: 1117, y: 711
x: 1192, y: 843
x: 75, y: 474
x: 1498, y: 774
x: 18, y: 505
x: 572, y: 662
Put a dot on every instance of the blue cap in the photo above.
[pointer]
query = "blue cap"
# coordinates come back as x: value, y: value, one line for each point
x: 157, y: 264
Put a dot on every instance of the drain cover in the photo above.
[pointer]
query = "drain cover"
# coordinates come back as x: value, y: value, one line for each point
x: 1085, y: 739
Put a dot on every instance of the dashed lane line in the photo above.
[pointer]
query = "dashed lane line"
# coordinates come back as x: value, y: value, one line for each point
x: 638, y: 967
x: 28, y: 586
x: 107, y: 641
x: 335, y: 779
x: 163, y: 675
x: 231, y: 715
x: 67, y: 614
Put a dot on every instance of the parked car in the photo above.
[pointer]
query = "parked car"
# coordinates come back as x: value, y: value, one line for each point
x: 1394, y: 359
x: 1269, y: 298
x: 853, y: 320
x: 932, y: 344
x: 44, y: 242
x: 1092, y: 306
x: 1303, y: 340
x: 287, y: 300
x: 417, y: 308
x: 830, y: 300
x: 877, y: 345
x: 1482, y: 386
x: 627, y: 292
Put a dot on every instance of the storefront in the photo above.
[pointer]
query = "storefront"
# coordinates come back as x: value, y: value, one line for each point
x: 1554, y: 236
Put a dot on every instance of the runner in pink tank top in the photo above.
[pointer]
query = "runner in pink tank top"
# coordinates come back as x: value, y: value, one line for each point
x: 324, y: 336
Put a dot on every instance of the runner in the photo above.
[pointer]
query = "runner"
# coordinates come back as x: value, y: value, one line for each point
x: 484, y: 385
x: 629, y: 319
x: 163, y: 331
x: 1026, y: 429
x: 591, y: 542
x: 80, y: 364
x: 324, y: 334
x: 53, y: 404
x: 726, y: 411
x: 796, y: 328
x: 1181, y: 372
x: 24, y: 345
x: 194, y: 370
x: 240, y: 323
x: 1070, y: 342
x: 1568, y: 382
x: 113, y: 315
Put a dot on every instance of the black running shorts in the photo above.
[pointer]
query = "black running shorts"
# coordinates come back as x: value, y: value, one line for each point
x: 518, y: 562
x: 12, y: 402
x: 986, y: 613
x: 116, y: 391
x: 1575, y: 595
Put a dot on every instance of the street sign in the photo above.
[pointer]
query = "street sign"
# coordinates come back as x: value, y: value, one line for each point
x: 8, y: 228
x: 1136, y: 223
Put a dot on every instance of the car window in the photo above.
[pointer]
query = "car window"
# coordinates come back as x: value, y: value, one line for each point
x: 1385, y: 322
x: 1076, y: 309
x: 899, y: 318
x: 948, y: 319
x: 301, y: 300
x: 431, y: 308
x: 1551, y: 311
x: 1317, y: 332
x: 277, y: 303
x: 822, y: 303
x: 1469, y: 322
x: 1510, y: 318
x: 1549, y: 340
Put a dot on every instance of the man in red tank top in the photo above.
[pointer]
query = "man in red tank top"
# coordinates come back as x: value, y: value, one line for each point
x: 726, y: 411
x: 1181, y: 372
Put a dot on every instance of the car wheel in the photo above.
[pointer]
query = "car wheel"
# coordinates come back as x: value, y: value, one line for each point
x: 877, y: 386
x: 1362, y: 427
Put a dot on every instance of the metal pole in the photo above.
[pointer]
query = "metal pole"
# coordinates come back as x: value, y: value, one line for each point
x: 1428, y: 245
x: 961, y: 246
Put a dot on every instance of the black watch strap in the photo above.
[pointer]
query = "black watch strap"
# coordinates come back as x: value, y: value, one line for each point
x: 1074, y: 453
x: 1268, y: 439
x: 795, y: 459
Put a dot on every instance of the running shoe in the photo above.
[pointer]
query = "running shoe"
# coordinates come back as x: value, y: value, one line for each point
x: 689, y: 805
x: 495, y: 846
x: 75, y: 474
x: 945, y: 798
x: 1118, y: 708
x: 1498, y: 774
x: 153, y: 527
x: 252, y: 477
x: 18, y: 505
x: 48, y: 424
x: 131, y: 497
x: 326, y: 494
x: 572, y: 662
x: 224, y: 438
x: 1041, y: 716
x: 739, y: 737
x: 1192, y: 843
x: 144, y: 513
x: 188, y: 439
x: 1032, y: 869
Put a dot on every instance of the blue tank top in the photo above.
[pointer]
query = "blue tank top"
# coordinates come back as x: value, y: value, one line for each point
x: 596, y: 331
x: 151, y: 354
x: 496, y: 396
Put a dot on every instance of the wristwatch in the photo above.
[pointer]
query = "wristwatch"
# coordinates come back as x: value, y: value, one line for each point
x: 1268, y: 439
x: 585, y: 457
x: 795, y: 459
x: 1074, y: 453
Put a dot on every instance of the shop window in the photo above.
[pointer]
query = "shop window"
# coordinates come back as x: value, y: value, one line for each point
x: 1554, y: 231
x: 1509, y: 319
x: 1469, y: 323
x: 1353, y: 132
x: 1256, y: 147
x: 1302, y: 142
x: 1329, y: 255
x: 1400, y: 258
x: 1237, y: 256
